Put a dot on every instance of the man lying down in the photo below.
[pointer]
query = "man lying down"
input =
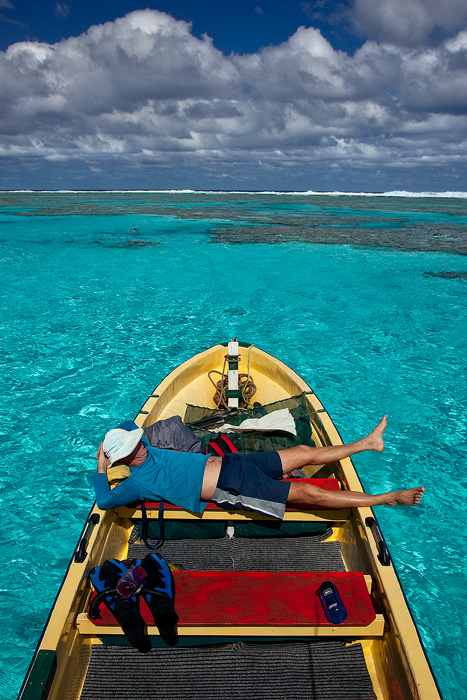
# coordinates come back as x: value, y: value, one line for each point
x: 235, y: 481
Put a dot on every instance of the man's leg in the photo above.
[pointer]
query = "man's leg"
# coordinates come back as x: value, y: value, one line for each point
x: 307, y: 495
x: 296, y: 457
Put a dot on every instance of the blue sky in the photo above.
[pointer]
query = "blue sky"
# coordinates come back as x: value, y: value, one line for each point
x: 363, y: 95
x: 241, y: 27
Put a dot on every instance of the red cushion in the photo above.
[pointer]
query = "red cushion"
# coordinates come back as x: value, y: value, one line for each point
x: 258, y: 598
x: 328, y: 484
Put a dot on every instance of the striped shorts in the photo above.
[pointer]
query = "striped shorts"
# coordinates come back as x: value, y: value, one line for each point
x: 252, y: 482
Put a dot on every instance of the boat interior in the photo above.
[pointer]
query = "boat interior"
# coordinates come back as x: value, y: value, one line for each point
x: 251, y: 624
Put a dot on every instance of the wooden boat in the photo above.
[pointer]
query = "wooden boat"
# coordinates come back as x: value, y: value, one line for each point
x: 254, y: 632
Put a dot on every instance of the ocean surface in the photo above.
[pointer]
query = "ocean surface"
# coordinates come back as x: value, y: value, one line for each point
x: 103, y: 293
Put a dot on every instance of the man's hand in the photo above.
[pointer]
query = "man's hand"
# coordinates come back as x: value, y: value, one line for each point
x: 102, y: 461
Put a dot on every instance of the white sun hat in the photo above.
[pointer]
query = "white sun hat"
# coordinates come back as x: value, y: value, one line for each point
x: 119, y: 443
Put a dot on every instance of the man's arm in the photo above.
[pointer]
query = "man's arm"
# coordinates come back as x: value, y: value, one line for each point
x: 121, y: 495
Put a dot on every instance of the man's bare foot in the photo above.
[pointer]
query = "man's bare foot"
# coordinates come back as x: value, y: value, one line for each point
x: 374, y: 440
x: 405, y: 497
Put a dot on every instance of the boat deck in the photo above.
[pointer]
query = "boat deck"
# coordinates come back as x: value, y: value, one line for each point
x: 311, y: 553
x: 329, y: 669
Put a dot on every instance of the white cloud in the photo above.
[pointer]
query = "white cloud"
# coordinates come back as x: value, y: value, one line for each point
x: 61, y: 9
x: 144, y: 89
x: 409, y: 22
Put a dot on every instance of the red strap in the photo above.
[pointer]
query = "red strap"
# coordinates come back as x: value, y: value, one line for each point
x: 229, y: 442
x: 216, y: 448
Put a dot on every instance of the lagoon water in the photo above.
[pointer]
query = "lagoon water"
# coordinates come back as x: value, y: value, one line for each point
x: 364, y: 296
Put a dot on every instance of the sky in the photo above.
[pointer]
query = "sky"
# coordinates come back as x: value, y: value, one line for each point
x: 360, y: 95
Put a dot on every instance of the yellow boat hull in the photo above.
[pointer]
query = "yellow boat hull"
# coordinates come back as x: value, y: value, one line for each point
x: 394, y: 655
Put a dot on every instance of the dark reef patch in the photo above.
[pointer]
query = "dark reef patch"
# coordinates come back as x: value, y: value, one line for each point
x: 135, y: 243
x: 410, y: 224
x: 417, y: 238
x: 449, y: 275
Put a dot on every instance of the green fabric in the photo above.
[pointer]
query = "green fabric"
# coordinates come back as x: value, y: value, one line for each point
x: 255, y: 441
x: 268, y: 528
x: 185, y: 529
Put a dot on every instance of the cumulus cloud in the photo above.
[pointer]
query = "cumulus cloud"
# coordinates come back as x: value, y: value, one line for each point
x: 144, y: 89
x: 409, y: 22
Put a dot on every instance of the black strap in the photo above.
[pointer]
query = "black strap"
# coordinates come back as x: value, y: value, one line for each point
x: 221, y: 446
x: 94, y: 613
x: 144, y: 525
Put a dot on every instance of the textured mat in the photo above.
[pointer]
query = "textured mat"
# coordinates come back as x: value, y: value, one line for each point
x: 326, y: 670
x: 249, y: 554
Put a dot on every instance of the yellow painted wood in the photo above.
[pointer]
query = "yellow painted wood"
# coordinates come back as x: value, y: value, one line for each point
x: 404, y: 635
x: 338, y: 516
x: 370, y: 648
x: 374, y: 629
x: 108, y: 538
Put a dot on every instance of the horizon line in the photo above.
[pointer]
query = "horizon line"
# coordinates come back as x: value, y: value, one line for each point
x: 390, y: 193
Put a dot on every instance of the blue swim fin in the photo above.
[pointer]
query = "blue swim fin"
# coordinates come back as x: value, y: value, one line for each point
x: 106, y: 577
x: 125, y: 610
x: 159, y: 594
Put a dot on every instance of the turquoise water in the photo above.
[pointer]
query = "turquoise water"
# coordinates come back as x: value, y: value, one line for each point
x: 364, y: 297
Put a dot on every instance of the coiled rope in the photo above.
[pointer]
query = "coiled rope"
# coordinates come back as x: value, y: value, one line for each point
x: 245, y: 384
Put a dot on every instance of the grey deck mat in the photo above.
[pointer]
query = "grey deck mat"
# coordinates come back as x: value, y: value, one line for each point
x: 249, y: 554
x: 318, y: 670
x: 324, y: 670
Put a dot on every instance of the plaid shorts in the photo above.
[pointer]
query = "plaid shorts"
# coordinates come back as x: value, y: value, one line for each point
x: 252, y: 482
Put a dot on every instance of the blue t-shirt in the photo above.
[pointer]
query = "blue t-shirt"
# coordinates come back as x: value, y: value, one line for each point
x: 176, y: 477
